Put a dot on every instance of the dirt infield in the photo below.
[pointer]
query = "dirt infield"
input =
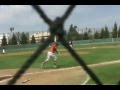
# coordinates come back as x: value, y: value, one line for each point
x: 73, y: 75
x: 67, y: 76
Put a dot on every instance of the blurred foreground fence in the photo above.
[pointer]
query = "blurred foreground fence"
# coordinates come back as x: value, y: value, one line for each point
x: 56, y: 27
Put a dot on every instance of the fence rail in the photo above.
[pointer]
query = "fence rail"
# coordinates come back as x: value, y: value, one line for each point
x: 75, y: 43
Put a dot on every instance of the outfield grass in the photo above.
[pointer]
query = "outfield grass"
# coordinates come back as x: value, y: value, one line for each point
x: 96, y: 55
x: 101, y: 55
x: 108, y: 74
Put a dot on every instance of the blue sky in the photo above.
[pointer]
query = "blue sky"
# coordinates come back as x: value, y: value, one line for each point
x: 24, y: 18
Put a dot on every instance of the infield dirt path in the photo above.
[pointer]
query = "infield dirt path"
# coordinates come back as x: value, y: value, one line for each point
x: 67, y: 76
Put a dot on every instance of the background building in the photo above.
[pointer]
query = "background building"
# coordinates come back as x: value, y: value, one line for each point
x: 38, y: 35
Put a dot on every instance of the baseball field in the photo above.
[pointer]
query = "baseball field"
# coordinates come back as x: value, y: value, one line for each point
x: 103, y: 59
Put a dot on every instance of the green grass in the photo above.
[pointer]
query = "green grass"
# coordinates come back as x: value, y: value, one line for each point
x: 11, y: 62
x: 95, y: 45
x: 108, y: 74
x: 95, y: 56
x: 101, y: 55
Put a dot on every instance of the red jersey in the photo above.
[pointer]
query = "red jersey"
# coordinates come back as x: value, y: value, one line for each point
x: 53, y: 48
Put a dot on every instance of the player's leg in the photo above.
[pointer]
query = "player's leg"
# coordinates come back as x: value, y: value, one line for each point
x: 71, y: 45
x: 47, y: 59
x: 55, y: 59
x: 3, y: 52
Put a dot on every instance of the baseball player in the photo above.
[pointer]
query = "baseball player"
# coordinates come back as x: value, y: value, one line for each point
x: 52, y: 54
x: 3, y: 50
x: 71, y: 44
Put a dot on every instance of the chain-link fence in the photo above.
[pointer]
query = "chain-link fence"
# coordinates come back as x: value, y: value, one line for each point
x: 56, y: 27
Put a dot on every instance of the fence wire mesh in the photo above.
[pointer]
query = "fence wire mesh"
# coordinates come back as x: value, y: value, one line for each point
x: 56, y: 27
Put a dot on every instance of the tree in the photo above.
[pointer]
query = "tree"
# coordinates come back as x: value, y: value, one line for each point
x: 72, y: 33
x: 11, y: 29
x: 69, y: 35
x: 27, y: 36
x: 85, y: 36
x: 80, y: 36
x: 90, y: 33
x: 106, y: 33
x: 9, y: 41
x: 114, y: 33
x: 119, y: 32
x: 11, y: 35
x: 96, y: 35
x: 14, y: 40
x: 65, y: 35
x: 18, y: 37
x: 4, y: 41
x: 23, y: 38
x: 43, y: 40
x: 102, y: 34
x: 33, y: 39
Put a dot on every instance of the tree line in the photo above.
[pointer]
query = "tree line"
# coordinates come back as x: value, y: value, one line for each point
x: 22, y: 38
x: 17, y: 38
x: 72, y: 34
x: 88, y: 34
